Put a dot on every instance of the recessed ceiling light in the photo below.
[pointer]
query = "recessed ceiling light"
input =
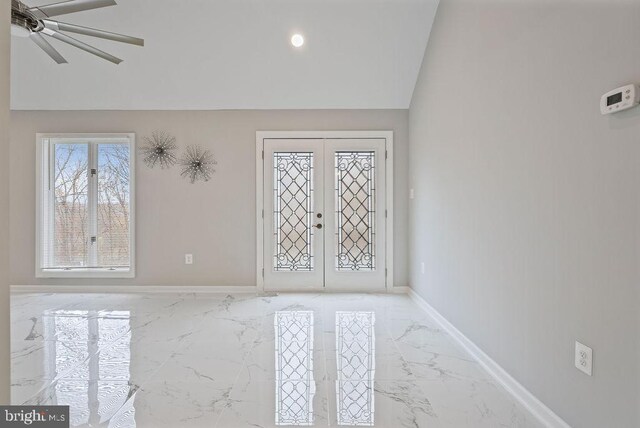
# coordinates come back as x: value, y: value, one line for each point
x: 297, y: 40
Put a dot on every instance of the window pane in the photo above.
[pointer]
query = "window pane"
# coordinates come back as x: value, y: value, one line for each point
x: 113, y: 205
x: 355, y: 211
x: 293, y: 211
x: 70, y: 210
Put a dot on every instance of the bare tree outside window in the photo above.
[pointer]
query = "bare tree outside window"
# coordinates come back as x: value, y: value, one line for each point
x: 91, y: 219
x: 113, y: 205
x: 71, y: 205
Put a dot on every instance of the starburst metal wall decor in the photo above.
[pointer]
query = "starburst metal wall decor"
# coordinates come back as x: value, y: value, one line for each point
x: 197, y: 164
x: 159, y: 149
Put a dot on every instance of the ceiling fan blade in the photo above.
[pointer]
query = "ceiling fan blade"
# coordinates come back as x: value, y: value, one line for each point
x: 81, y: 45
x: 86, y: 31
x: 70, y: 6
x: 45, y: 46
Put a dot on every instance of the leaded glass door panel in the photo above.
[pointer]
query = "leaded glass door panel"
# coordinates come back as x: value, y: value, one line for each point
x: 293, y: 214
x: 355, y: 206
x: 324, y: 214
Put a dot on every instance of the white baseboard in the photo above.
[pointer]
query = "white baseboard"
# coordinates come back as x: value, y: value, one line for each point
x: 137, y: 289
x: 537, y: 408
x: 399, y: 289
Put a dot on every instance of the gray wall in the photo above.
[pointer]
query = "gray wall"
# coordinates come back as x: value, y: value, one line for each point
x: 216, y: 220
x: 527, y: 200
x: 5, y: 46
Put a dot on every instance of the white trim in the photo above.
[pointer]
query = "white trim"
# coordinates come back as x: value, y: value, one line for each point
x: 133, y: 289
x: 262, y: 135
x: 400, y: 289
x: 179, y: 289
x: 40, y: 168
x: 389, y: 213
x: 537, y: 408
x: 323, y: 134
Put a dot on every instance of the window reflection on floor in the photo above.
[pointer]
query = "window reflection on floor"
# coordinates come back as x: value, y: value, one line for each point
x: 89, y: 355
x: 295, y: 386
x: 355, y: 356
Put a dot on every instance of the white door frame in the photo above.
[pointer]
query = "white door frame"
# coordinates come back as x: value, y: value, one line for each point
x: 262, y: 135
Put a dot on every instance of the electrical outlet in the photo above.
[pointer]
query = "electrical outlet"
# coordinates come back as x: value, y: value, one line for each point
x: 422, y: 267
x: 412, y: 194
x: 584, y: 358
x: 188, y: 259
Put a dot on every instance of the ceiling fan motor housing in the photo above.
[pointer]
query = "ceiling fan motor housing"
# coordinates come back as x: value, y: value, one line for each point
x: 21, y: 17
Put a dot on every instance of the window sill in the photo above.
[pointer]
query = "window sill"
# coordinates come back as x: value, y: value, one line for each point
x: 85, y: 273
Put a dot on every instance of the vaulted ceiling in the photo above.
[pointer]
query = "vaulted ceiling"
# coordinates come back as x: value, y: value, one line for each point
x: 233, y: 54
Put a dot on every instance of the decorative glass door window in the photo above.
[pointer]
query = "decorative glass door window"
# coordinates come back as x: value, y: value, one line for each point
x: 355, y: 191
x: 293, y: 211
x: 295, y: 386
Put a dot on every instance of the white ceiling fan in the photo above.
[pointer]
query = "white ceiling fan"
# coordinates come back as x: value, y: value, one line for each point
x: 34, y: 22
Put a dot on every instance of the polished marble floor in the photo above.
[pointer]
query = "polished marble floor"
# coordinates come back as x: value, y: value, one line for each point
x: 184, y: 360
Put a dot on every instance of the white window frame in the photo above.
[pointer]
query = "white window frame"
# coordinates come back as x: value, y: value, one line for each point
x: 43, y: 166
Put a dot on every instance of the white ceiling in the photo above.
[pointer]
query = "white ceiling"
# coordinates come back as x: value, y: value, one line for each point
x: 233, y: 54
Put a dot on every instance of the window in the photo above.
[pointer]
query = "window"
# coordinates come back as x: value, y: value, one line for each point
x: 85, y: 219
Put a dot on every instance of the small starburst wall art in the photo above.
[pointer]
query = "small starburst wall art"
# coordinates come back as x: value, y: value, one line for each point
x: 159, y: 149
x: 197, y: 164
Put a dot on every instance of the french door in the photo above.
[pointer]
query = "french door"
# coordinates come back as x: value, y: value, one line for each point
x: 324, y: 217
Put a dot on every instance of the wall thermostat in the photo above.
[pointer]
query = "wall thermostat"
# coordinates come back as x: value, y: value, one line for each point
x: 620, y: 99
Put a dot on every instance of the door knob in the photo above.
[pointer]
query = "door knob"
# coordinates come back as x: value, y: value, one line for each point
x: 319, y: 226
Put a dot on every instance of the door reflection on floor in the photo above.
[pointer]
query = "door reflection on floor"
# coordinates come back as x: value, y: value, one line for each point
x: 295, y: 386
x: 355, y: 357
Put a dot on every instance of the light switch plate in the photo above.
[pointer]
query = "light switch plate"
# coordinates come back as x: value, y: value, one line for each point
x: 188, y: 259
x: 584, y: 358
